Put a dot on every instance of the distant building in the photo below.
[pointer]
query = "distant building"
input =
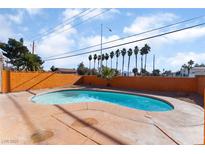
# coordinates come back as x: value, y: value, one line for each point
x: 197, y: 71
x: 66, y: 71
x: 193, y: 72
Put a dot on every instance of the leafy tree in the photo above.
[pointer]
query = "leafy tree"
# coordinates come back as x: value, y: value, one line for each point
x: 107, y: 73
x: 90, y: 58
x: 199, y: 65
x: 117, y: 53
x: 129, y: 53
x: 178, y: 73
x: 145, y: 72
x: 82, y: 70
x: 111, y: 57
x: 136, y: 51
x: 167, y: 73
x: 156, y: 72
x: 135, y: 71
x: 117, y: 73
x: 93, y: 72
x: 53, y: 68
x: 19, y: 56
x: 184, y: 67
x: 123, y: 52
x: 106, y: 58
x: 32, y: 62
x: 95, y: 57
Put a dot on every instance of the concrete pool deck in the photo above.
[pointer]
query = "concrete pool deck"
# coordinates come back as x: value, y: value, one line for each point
x: 96, y: 123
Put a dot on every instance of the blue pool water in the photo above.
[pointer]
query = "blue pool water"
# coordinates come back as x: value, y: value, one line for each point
x: 78, y: 96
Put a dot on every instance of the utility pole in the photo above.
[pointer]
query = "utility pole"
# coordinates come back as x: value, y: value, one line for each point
x: 101, y: 46
x: 33, y: 46
x: 153, y: 62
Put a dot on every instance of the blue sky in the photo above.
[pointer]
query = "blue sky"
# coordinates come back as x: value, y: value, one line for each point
x: 171, y: 51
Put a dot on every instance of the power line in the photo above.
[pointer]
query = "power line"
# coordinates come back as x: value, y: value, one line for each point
x: 139, y: 40
x: 80, y: 23
x: 61, y: 23
x: 65, y: 22
x: 129, y: 36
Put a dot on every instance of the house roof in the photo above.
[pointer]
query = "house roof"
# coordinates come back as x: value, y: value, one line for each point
x: 198, y: 68
x: 66, y: 70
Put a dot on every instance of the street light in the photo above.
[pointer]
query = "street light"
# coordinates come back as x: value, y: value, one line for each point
x: 101, y: 46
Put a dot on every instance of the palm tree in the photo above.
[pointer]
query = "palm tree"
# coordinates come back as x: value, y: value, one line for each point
x: 136, y: 51
x: 123, y: 52
x: 142, y: 53
x: 129, y: 52
x: 106, y: 58
x: 190, y: 65
x: 99, y: 58
x: 90, y: 58
x: 95, y: 57
x: 146, y: 51
x: 117, y: 53
x: 103, y: 58
x: 111, y: 56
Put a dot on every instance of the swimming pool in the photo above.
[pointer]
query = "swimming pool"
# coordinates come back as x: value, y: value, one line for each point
x: 127, y: 100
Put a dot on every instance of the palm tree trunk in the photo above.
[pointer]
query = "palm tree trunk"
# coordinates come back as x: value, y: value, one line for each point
x: 111, y: 63
x: 128, y: 65
x: 122, y: 65
x: 188, y: 71
x: 94, y: 64
x: 106, y: 63
x: 98, y: 64
x: 135, y: 61
x: 145, y: 64
x: 117, y: 63
x: 141, y: 63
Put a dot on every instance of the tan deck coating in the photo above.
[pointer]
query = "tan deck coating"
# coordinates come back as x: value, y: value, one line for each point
x: 96, y: 123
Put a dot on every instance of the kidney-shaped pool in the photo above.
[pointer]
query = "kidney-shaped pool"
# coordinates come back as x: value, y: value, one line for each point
x: 123, y: 99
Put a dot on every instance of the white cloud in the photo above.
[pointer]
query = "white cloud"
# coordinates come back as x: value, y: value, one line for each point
x: 175, y: 61
x: 102, y: 16
x: 16, y: 18
x: 187, y: 35
x: 34, y: 11
x: 5, y: 30
x: 69, y: 13
x: 143, y: 23
x: 55, y: 44
x: 183, y: 57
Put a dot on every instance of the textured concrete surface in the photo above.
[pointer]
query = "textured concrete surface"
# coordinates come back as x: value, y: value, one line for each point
x: 96, y: 123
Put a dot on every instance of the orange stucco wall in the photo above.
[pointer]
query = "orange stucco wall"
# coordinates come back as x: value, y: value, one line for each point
x: 201, y: 84
x: 147, y: 83
x: 20, y: 81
